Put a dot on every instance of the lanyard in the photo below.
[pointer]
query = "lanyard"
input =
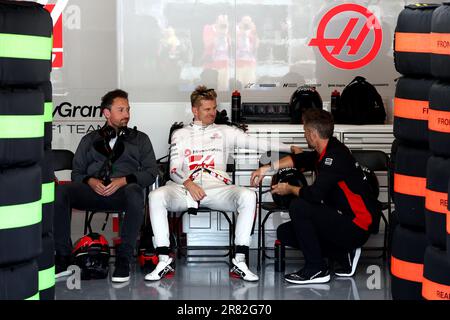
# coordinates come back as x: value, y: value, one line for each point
x: 197, y: 171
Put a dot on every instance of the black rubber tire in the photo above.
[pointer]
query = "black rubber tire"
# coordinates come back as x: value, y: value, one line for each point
x: 48, y: 183
x: 414, y: 19
x: 408, y: 248
x: 393, y: 223
x: 436, y: 200
x: 392, y: 156
x: 19, y: 281
x: 48, y: 212
x: 17, y: 242
x: 47, y: 89
x: 439, y: 124
x: 47, y: 294
x: 29, y: 19
x: 406, y: 127
x: 440, y: 63
x: 21, y: 151
x: 46, y: 264
x: 410, y: 203
x: 448, y: 223
x: 436, y: 275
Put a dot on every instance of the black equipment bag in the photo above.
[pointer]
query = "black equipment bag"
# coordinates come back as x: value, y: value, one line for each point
x: 360, y: 103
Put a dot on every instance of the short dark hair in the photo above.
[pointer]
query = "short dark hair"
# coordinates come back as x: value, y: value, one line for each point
x: 321, y: 120
x: 202, y: 93
x: 108, y: 98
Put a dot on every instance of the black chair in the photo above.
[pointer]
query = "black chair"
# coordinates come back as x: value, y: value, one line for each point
x: 176, y: 225
x: 375, y: 160
x: 378, y: 161
x: 62, y: 160
x: 270, y: 207
x: 231, y: 227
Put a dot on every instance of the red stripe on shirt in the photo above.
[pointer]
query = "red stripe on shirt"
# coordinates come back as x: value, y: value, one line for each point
x: 323, y: 153
x: 363, y: 218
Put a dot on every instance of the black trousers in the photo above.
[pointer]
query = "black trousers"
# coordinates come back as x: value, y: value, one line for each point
x: 320, y: 231
x: 129, y: 199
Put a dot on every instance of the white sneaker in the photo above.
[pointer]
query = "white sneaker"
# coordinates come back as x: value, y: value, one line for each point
x: 161, y: 269
x: 120, y: 285
x: 240, y: 270
x: 63, y: 274
x: 240, y: 289
x: 163, y: 288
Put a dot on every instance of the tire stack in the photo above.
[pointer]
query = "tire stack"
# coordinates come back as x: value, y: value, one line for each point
x: 25, y: 177
x: 448, y: 223
x: 412, y: 57
x: 419, y: 264
x: 436, y: 276
x: 46, y: 261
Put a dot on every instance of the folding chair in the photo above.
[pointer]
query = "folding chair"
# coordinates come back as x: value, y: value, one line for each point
x: 271, y: 208
x: 231, y: 227
x: 62, y: 160
x: 378, y: 161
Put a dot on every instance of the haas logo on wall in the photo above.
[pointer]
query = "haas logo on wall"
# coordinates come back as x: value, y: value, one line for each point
x: 56, y: 10
x: 349, y: 36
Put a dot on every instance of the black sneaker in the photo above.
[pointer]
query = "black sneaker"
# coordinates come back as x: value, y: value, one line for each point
x: 61, y: 265
x: 305, y: 276
x: 348, y: 266
x: 121, y: 271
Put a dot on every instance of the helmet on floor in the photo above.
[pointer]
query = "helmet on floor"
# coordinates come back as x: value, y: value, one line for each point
x: 91, y: 253
x: 292, y: 176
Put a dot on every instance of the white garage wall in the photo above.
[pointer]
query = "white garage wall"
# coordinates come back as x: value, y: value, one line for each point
x: 109, y: 44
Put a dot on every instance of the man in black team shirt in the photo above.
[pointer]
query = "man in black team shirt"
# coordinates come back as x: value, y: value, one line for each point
x: 332, y: 217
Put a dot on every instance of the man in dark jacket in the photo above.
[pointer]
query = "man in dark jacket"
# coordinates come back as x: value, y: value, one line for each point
x: 335, y: 215
x: 111, y: 169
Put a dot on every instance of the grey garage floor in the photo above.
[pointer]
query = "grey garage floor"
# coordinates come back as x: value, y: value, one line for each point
x: 211, y: 281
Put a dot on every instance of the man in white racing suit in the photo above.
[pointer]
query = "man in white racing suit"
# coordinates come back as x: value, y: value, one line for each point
x: 198, y: 161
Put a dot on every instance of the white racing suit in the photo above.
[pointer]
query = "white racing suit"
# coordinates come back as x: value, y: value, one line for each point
x: 200, y: 153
